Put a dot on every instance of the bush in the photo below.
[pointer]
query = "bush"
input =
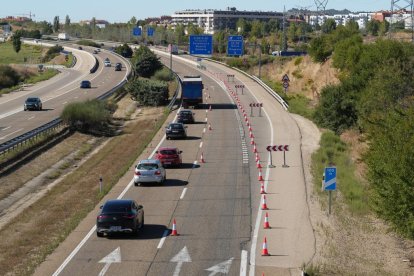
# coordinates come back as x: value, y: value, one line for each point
x: 88, y: 43
x: 148, y: 92
x: 8, y: 77
x: 145, y: 62
x: 52, y: 52
x: 87, y: 116
x: 163, y: 75
x: 124, y: 50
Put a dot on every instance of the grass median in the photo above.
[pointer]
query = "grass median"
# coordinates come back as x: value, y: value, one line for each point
x: 34, y: 234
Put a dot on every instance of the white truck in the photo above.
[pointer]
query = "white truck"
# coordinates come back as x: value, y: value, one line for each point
x: 63, y: 36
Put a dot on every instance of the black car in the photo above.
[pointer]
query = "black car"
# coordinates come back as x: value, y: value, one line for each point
x: 185, y: 116
x: 33, y: 103
x: 120, y: 216
x: 85, y: 84
x: 118, y: 67
x: 176, y: 130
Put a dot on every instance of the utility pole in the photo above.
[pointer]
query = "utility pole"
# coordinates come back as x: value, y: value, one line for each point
x: 284, y: 38
x: 320, y: 8
x: 400, y: 8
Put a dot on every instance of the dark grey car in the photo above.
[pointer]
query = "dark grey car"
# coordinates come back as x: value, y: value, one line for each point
x: 33, y: 103
x: 176, y: 130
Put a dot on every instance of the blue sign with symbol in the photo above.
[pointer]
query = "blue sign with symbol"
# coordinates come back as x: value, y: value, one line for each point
x: 330, y: 179
x: 201, y: 44
x: 150, y: 31
x: 235, y: 45
x: 136, y: 31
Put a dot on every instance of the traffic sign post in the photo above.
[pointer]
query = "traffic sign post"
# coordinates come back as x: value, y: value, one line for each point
x: 150, y: 32
x: 285, y: 86
x: 239, y: 86
x: 329, y: 183
x: 283, y: 148
x: 251, y: 110
x: 260, y: 109
x: 230, y: 77
x: 136, y: 31
x: 285, y: 81
x: 269, y: 149
x: 235, y: 45
x: 201, y: 45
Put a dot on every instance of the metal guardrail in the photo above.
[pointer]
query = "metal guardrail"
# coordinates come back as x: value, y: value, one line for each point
x: 259, y: 81
x: 6, y: 146
x: 172, y: 102
x: 95, y: 66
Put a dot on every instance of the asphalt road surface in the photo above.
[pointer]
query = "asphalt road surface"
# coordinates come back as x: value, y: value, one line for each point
x: 55, y: 93
x: 215, y: 204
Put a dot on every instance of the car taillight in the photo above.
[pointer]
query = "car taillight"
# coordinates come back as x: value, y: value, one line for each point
x: 128, y: 216
x: 102, y: 217
x: 137, y: 173
x: 157, y: 172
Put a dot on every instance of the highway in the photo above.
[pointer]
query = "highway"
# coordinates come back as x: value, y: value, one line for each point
x: 58, y: 91
x: 215, y: 204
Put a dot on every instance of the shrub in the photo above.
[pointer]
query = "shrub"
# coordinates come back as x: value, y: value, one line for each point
x: 145, y: 62
x: 124, y: 50
x: 163, y: 75
x: 8, y: 77
x: 148, y: 92
x: 88, y: 43
x: 87, y: 116
x: 52, y: 52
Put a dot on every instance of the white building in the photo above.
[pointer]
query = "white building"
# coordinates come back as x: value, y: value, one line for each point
x: 213, y: 20
x: 342, y: 19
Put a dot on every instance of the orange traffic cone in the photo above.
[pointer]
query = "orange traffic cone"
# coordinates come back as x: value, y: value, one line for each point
x: 258, y: 164
x: 251, y: 134
x: 250, y: 128
x: 264, y: 248
x: 209, y: 127
x: 252, y: 141
x: 254, y: 148
x: 262, y: 188
x: 266, y: 222
x: 260, y: 175
x: 257, y: 157
x: 174, y: 229
x: 264, y: 205
x: 247, y: 123
x: 202, y: 158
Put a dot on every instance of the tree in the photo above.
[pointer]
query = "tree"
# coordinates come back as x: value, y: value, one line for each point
x: 56, y: 24
x: 124, y: 50
x: 145, y: 62
x: 93, y: 23
x: 292, y: 32
x: 133, y: 21
x: 17, y: 43
x: 319, y: 49
x: 257, y: 29
x: 373, y: 27
x: 328, y: 26
x: 45, y: 27
x: 67, y: 23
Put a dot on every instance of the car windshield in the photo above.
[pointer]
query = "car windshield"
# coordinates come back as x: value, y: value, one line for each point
x: 117, y: 208
x: 176, y: 126
x: 147, y: 166
x: 31, y: 100
x: 168, y: 152
x: 186, y: 113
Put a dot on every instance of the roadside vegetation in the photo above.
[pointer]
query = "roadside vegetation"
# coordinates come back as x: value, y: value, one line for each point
x: 88, y: 43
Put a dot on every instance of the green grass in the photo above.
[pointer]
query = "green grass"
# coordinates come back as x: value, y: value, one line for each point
x: 299, y: 104
x: 32, y: 53
x: 333, y: 151
x: 47, y: 74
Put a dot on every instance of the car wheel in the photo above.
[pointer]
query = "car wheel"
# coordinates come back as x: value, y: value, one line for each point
x: 142, y: 223
x: 136, y: 184
x: 100, y: 235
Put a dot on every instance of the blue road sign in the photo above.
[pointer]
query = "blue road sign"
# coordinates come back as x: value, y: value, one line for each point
x: 201, y: 44
x: 235, y: 45
x: 136, y: 31
x: 330, y: 179
x: 150, y: 31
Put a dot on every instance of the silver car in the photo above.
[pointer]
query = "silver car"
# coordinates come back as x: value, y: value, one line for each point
x: 149, y: 171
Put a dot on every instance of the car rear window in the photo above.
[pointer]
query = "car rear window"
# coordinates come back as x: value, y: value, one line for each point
x: 148, y: 166
x: 117, y: 208
x: 176, y: 126
x: 32, y: 100
x: 168, y: 152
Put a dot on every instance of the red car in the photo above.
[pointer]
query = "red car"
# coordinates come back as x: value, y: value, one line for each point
x: 169, y: 156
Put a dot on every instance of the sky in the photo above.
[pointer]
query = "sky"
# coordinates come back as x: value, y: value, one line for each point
x: 123, y: 10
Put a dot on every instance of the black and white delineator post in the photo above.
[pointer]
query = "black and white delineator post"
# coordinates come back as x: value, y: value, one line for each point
x: 100, y: 184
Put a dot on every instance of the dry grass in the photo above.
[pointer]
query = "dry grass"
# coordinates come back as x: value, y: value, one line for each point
x: 28, y: 171
x: 37, y: 232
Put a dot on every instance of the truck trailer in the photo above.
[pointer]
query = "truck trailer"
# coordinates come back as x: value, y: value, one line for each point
x: 192, y: 91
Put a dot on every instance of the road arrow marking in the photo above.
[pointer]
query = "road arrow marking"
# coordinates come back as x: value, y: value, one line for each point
x: 180, y: 258
x: 223, y: 267
x: 113, y: 257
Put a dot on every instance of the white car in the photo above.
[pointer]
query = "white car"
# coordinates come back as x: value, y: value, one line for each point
x: 149, y: 171
x: 107, y: 63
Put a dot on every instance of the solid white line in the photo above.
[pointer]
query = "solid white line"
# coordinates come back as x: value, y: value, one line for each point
x: 76, y: 250
x: 162, y: 239
x: 243, y: 263
x: 183, y: 193
x: 11, y: 133
x: 204, y: 130
x: 30, y: 118
x: 206, y: 119
x: 69, y: 258
x: 6, y: 128
x: 64, y: 103
x: 201, y: 145
x: 259, y: 212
